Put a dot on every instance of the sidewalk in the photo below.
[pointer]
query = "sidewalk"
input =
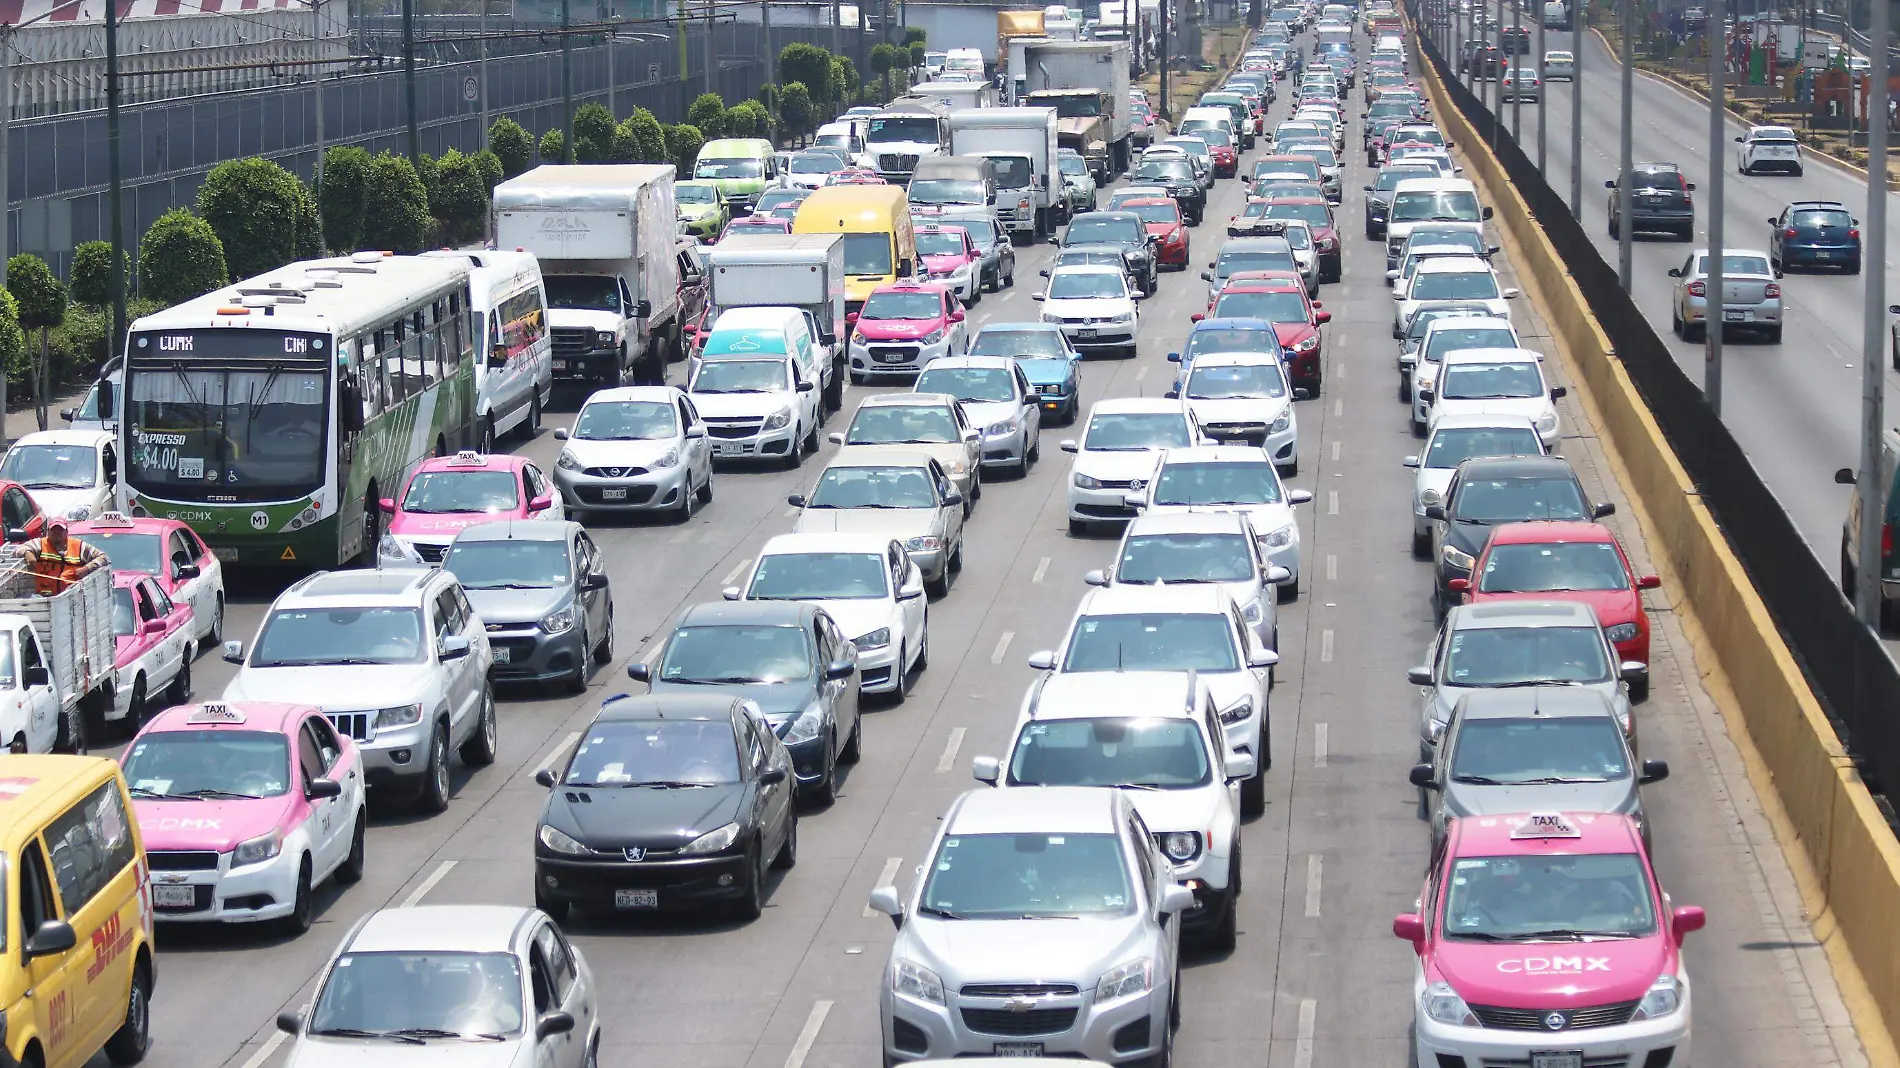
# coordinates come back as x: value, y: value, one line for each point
x: 21, y: 419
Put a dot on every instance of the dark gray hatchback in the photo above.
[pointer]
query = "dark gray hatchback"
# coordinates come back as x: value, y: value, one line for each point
x: 1659, y: 202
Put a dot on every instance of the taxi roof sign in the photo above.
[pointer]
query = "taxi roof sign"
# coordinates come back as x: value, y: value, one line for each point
x: 113, y: 519
x: 215, y: 712
x: 469, y: 458
x: 1546, y: 825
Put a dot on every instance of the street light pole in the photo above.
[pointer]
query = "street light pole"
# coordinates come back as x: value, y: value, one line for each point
x: 409, y: 79
x: 1517, y: 91
x: 1543, y: 90
x: 117, y: 170
x: 1874, y: 310
x: 1712, y: 374
x: 567, y: 82
x: 316, y: 86
x: 1624, y: 250
x: 1576, y: 107
x: 481, y: 70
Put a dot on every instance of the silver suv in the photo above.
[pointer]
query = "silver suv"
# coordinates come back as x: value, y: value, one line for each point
x: 1040, y: 927
x: 399, y: 661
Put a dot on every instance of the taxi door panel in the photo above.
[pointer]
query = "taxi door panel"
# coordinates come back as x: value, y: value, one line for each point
x: 196, y: 591
x: 320, y: 814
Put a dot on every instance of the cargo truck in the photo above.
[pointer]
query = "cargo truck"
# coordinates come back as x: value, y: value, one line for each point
x: 1016, y: 68
x: 953, y: 95
x: 58, y: 689
x: 1086, y: 82
x: 904, y: 132
x: 1012, y: 26
x: 1022, y: 144
x: 604, y: 236
x: 803, y: 271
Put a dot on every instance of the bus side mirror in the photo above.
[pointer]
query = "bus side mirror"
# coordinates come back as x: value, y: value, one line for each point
x: 106, y: 398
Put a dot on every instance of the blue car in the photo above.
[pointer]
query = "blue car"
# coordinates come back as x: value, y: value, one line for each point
x: 1052, y: 365
x: 1228, y: 335
x: 1814, y: 233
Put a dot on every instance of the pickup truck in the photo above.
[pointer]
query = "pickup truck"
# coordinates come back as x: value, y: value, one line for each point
x: 56, y: 661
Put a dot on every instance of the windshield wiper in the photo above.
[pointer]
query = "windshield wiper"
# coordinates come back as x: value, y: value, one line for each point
x: 1555, y: 780
x: 666, y: 784
x: 357, y: 1032
x: 138, y: 791
x: 222, y: 795
x: 942, y: 914
x: 505, y: 586
x: 1521, y: 683
x: 1476, y: 780
x: 730, y: 680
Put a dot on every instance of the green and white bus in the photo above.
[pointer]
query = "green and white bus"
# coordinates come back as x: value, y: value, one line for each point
x: 273, y: 414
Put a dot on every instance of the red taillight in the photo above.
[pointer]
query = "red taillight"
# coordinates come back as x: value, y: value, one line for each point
x: 1886, y: 539
x: 1854, y: 234
x: 1697, y: 289
x: 1773, y: 290
x: 1789, y: 232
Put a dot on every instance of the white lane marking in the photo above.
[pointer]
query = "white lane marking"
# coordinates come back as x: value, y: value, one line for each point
x: 1332, y: 502
x: 264, y: 1051
x: 1326, y: 646
x: 1319, y: 745
x: 809, y: 1036
x: 1339, y: 407
x: 1303, y: 1046
x: 555, y: 754
x: 1332, y: 568
x: 1042, y: 568
x: 1002, y: 646
x: 790, y: 512
x: 1313, y: 865
x: 1141, y: 373
x: 422, y: 889
x: 1336, y: 445
x: 949, y: 757
x: 886, y: 877
x: 734, y: 573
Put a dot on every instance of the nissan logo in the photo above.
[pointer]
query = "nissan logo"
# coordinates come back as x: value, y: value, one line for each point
x: 1555, y: 1021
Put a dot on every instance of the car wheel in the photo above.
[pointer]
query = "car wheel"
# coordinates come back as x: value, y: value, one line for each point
x: 857, y: 378
x: 133, y: 1039
x: 854, y: 745
x: 1405, y: 389
x: 1226, y: 934
x: 1288, y: 591
x: 1078, y: 528
x: 752, y: 904
x: 795, y: 453
x: 556, y: 910
x: 705, y: 490
x: 900, y: 673
x: 955, y: 563
x: 216, y: 637
x: 604, y: 649
x: 1290, y: 470
x: 180, y: 691
x: 923, y: 650
x: 71, y: 735
x: 824, y: 792
x: 1421, y: 545
x: 485, y: 441
x: 532, y: 425
x: 298, y: 921
x: 372, y: 528
x: 135, y: 708
x: 577, y: 682
x: 480, y: 748
x: 435, y: 777
x: 788, y: 853
x: 1774, y: 335
x: 1165, y: 1059
x: 1253, y: 794
x: 939, y: 586
x: 351, y: 870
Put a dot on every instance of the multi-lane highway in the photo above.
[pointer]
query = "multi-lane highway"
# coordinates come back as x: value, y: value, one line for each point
x: 1317, y: 980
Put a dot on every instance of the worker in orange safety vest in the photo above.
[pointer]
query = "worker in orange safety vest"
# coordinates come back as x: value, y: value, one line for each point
x: 57, y: 561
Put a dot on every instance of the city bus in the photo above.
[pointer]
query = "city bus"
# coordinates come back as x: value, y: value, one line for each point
x: 273, y: 415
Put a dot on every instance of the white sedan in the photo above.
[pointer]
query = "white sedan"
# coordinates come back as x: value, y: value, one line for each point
x: 1498, y: 382
x: 1449, y: 278
x: 68, y: 473
x: 1094, y: 307
x: 1769, y: 148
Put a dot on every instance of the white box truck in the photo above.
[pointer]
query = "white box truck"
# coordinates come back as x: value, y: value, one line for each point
x: 954, y: 95
x: 1087, y: 83
x: 604, y: 235
x: 57, y: 689
x: 803, y: 271
x: 1022, y: 144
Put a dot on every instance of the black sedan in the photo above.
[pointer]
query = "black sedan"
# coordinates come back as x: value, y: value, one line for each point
x: 1488, y: 492
x: 1122, y: 228
x: 787, y: 657
x: 670, y: 801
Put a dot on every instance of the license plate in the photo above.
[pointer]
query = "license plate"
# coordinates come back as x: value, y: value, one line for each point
x: 226, y: 553
x: 171, y: 896
x: 1735, y: 316
x: 613, y: 493
x: 1570, y: 1058
x: 1088, y: 333
x: 503, y: 654
x: 729, y: 448
x: 1827, y: 255
x: 1017, y: 1049
x: 650, y: 899
x: 560, y: 365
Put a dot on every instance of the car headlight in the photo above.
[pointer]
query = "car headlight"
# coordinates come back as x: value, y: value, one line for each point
x: 398, y: 716
x: 1237, y: 711
x: 1281, y: 424
x: 1664, y: 997
x: 926, y: 543
x: 561, y: 842
x: 79, y: 512
x: 1326, y: 244
x: 1430, y: 497
x: 807, y: 725
x: 1456, y: 557
x: 392, y: 550
x: 1278, y: 539
x: 670, y: 458
x: 877, y: 639
x: 778, y: 420
x: 933, y: 337
x: 712, y: 841
x: 559, y: 621
x: 603, y: 337
x: 1051, y: 317
x: 1434, y: 728
x: 260, y: 849
x: 1127, y: 980
x: 1180, y: 846
x: 916, y: 982
x: 1307, y: 345
x: 1124, y: 317
x: 1007, y: 426
x: 1253, y: 613
x: 1546, y: 422
x: 1443, y: 1004
x: 1622, y: 632
x: 1083, y: 481
x: 567, y: 462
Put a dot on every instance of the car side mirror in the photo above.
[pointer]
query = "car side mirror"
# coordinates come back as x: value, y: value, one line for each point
x: 1262, y: 658
x: 1845, y: 476
x: 1675, y: 272
x: 1510, y: 294
x: 1419, y: 676
x: 454, y: 647
x: 546, y: 777
x: 1068, y: 445
x: 290, y: 1023
x: 560, y: 433
x: 1135, y: 500
x: 151, y: 627
x: 1043, y: 660
x: 108, y: 399
x: 1171, y: 393
x: 1485, y: 214
x: 68, y: 414
x: 1239, y: 766
x: 1097, y: 577
x: 1654, y: 771
x: 1410, y: 461
x: 1683, y: 921
x: 1426, y: 396
x: 1459, y: 585
x: 986, y: 769
x: 796, y: 500
x: 1633, y: 670
x: 555, y: 1023
x: 807, y: 387
x: 1435, y: 511
x: 317, y: 789
x: 594, y: 581
x: 36, y: 675
x: 540, y: 504
x: 388, y: 505
x: 1044, y: 272
x: 233, y: 652
x: 1207, y: 276
x: 640, y: 672
x: 642, y: 309
x: 1603, y: 511
x: 850, y: 318
x: 1609, y: 183
x: 884, y: 900
x: 1422, y: 777
x: 1196, y: 317
x: 956, y: 315
x: 52, y: 936
x: 771, y: 776
x: 1739, y: 140
x: 912, y: 588
x: 1649, y: 582
x: 1411, y: 928
x: 186, y: 571
x: 1176, y: 899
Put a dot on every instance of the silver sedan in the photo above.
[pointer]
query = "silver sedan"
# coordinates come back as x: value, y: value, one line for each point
x: 1751, y: 294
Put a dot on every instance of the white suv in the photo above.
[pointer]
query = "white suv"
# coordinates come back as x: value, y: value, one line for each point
x: 760, y: 405
x: 397, y: 659
x: 1120, y: 445
x: 1161, y: 739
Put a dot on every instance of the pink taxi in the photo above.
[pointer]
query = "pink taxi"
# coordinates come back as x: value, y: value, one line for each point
x: 903, y: 326
x: 174, y: 555
x: 448, y: 493
x: 952, y: 259
x: 1544, y: 941
x: 245, y: 807
x: 152, y: 648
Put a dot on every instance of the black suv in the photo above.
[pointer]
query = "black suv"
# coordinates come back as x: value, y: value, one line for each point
x: 1516, y: 40
x: 1814, y: 233
x: 1488, y: 492
x: 1659, y: 201
x: 1123, y: 229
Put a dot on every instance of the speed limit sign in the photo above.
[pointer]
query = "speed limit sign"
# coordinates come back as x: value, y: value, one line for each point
x: 471, y: 89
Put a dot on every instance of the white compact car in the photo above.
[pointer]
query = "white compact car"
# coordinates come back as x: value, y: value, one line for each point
x: 1236, y: 478
x: 1769, y: 148
x: 998, y: 397
x: 1117, y: 453
x: 1094, y: 307
x: 1498, y: 382
x: 1243, y: 398
x: 1460, y: 278
x: 1201, y: 548
x: 1451, y: 335
x: 647, y: 442
x: 1455, y: 439
x: 764, y: 405
x: 68, y: 473
x: 867, y: 583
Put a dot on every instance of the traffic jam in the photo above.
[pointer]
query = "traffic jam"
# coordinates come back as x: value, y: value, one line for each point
x: 1098, y: 853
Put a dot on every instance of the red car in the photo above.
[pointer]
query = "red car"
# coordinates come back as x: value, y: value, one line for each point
x: 1317, y: 214
x: 854, y: 176
x: 1573, y: 561
x: 1280, y: 298
x: 1220, y: 147
x: 20, y: 518
x: 1161, y: 217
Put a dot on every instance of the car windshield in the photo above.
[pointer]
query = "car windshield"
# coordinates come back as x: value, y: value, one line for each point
x: 583, y: 292
x: 874, y: 487
x: 1553, y: 567
x: 902, y: 424
x: 1389, y: 177
x: 1028, y: 877
x: 686, y: 193
x: 1231, y: 381
x: 1086, y: 285
x: 1217, y: 483
x: 1452, y: 446
x: 947, y: 191
x: 1281, y: 307
x: 1733, y: 265
x: 1525, y: 896
x: 1031, y: 344
x: 1654, y: 181
x: 982, y: 233
x: 1521, y: 656
x: 729, y: 168
x: 1118, y: 751
x: 462, y: 492
x: 1461, y: 237
x: 1163, y: 171
x: 305, y: 637
x: 1174, y: 641
x: 627, y: 421
x: 1511, y: 500
x: 1231, y: 339
x: 1458, y: 205
x: 1102, y: 257
x: 1314, y: 215
x: 897, y: 128
x: 1479, y: 337
x: 466, y: 995
x: 911, y: 305
x: 665, y: 753
x: 208, y: 764
x: 1298, y: 236
x: 736, y: 655
x: 1322, y: 154
x: 1269, y: 259
x: 1304, y: 167
x: 741, y: 376
x: 1073, y: 165
x: 1453, y: 285
x: 1088, y: 230
x: 780, y: 198
x: 51, y: 466
x: 128, y: 552
x: 820, y: 577
x: 514, y: 564
x: 1150, y: 558
x: 1012, y: 172
x: 1490, y: 381
x: 1156, y: 212
x: 816, y: 163
x: 867, y: 255
x: 976, y: 384
x: 940, y: 244
x: 1136, y: 432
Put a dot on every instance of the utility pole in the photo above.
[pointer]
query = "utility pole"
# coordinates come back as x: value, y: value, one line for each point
x: 117, y: 170
x: 409, y: 79
x: 1577, y: 8
x: 316, y: 85
x: 6, y: 216
x: 567, y: 81
x: 1874, y: 310
x: 1712, y: 373
x: 1543, y: 90
x: 1517, y: 91
x: 613, y: 84
x: 1496, y: 35
x: 712, y: 53
x: 481, y: 70
x: 1165, y: 116
x: 1624, y: 250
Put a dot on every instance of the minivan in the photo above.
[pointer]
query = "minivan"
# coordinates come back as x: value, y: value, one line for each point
x: 514, y: 376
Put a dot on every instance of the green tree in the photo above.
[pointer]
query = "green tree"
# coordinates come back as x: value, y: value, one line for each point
x: 916, y: 56
x: 883, y: 60
x: 913, y: 35
x: 845, y: 73
x: 553, y: 146
x: 42, y: 306
x: 810, y: 66
x: 593, y: 134
x: 748, y: 119
x: 264, y: 214
x: 708, y: 112
x: 490, y: 167
x: 682, y: 144
x: 796, y: 109
x: 459, y: 200
x: 90, y: 276
x: 340, y: 197
x: 180, y: 257
x: 395, y: 205
x: 13, y: 340
x: 649, y: 137
x: 508, y: 141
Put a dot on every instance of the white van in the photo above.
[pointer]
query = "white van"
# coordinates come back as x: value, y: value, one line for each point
x: 969, y: 60
x: 1556, y: 15
x: 847, y: 134
x: 1206, y: 117
x: 514, y: 375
